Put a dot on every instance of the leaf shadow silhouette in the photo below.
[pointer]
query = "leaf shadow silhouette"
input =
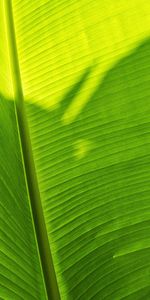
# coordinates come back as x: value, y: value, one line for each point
x: 94, y: 176
x: 94, y: 179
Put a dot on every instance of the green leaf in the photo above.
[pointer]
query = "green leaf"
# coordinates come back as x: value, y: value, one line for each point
x: 79, y: 75
x: 20, y: 272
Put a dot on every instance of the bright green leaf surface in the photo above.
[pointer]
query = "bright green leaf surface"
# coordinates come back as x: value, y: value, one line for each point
x: 85, y: 71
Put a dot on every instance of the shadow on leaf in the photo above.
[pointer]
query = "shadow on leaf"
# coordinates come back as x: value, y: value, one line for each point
x: 94, y: 179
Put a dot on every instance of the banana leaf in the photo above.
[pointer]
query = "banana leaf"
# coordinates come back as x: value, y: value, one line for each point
x: 74, y: 150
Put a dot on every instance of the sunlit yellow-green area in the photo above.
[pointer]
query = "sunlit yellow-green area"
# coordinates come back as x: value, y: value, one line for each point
x: 54, y: 51
x: 82, y: 147
x: 5, y: 72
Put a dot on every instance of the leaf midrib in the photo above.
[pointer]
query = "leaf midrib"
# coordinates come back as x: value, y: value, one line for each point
x: 28, y: 161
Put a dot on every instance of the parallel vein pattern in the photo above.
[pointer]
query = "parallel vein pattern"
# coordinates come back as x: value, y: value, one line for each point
x: 96, y: 198
x: 20, y: 271
x: 85, y: 71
